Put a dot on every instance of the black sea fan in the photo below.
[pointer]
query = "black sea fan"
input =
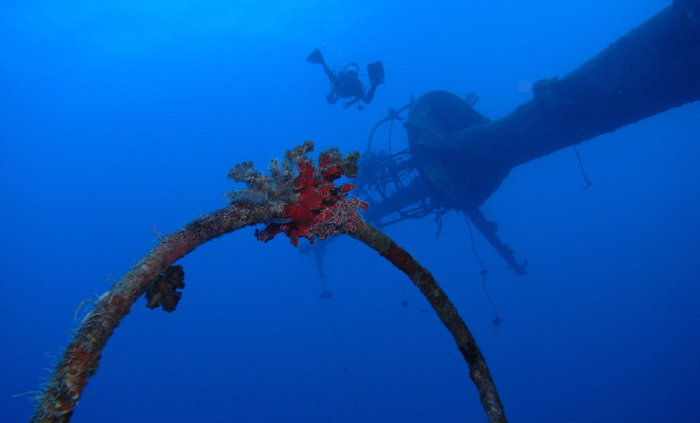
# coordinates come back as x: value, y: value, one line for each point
x: 163, y: 291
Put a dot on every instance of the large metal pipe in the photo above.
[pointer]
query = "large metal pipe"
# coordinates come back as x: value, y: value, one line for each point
x: 655, y: 67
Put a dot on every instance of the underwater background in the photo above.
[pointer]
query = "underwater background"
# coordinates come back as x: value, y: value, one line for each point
x: 121, y: 118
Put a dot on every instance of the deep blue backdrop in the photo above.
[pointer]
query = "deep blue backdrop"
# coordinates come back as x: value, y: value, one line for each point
x: 115, y: 117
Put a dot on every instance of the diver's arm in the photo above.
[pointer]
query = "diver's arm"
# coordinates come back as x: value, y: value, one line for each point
x: 351, y: 102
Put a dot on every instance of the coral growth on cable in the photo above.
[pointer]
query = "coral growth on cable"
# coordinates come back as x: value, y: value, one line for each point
x: 163, y: 291
x: 315, y: 207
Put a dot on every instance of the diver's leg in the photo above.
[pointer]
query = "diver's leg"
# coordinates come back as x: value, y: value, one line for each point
x: 376, y: 73
x: 376, y: 77
x: 370, y: 93
x: 331, y: 76
x: 317, y: 57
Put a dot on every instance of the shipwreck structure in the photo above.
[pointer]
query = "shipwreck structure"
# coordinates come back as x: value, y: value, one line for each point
x: 462, y: 157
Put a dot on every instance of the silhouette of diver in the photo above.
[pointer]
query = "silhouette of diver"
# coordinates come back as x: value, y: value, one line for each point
x: 346, y: 84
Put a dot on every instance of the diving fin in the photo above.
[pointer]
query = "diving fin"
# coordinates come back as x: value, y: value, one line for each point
x: 376, y: 73
x: 316, y: 57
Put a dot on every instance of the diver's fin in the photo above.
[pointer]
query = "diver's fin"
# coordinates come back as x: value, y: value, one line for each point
x: 376, y: 73
x: 316, y: 57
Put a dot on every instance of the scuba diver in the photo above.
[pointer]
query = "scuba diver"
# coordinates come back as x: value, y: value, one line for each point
x: 346, y: 84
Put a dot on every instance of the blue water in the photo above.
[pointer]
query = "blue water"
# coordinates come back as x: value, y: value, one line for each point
x: 119, y: 118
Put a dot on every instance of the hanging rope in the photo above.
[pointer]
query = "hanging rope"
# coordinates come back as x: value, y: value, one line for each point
x: 583, y: 171
x: 496, y: 320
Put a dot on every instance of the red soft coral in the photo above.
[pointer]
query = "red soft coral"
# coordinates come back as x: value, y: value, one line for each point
x: 321, y: 209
